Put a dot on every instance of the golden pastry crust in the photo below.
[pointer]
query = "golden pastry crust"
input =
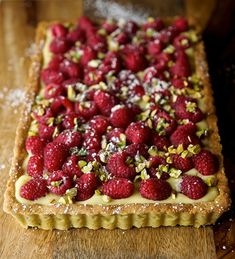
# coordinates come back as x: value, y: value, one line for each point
x: 113, y: 216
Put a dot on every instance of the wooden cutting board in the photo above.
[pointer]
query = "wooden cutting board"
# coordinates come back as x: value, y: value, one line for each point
x: 17, y: 28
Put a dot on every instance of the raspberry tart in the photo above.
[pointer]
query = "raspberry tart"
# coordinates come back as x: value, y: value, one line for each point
x: 119, y: 129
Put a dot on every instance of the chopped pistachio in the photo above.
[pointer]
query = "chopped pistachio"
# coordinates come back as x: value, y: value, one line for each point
x: 150, y: 32
x: 191, y: 107
x: 87, y: 168
x: 184, y: 154
x: 153, y: 151
x: 56, y: 183
x: 140, y: 167
x: 175, y: 173
x: 158, y: 174
x: 97, y: 192
x: 169, y: 160
x: 106, y: 198
x: 82, y: 163
x: 144, y: 175
x: 71, y: 93
x: 169, y: 49
x: 194, y: 149
x: 103, y: 156
x: 180, y: 149
x: 211, y: 181
x: 56, y: 132
x: 71, y: 192
x: 163, y: 168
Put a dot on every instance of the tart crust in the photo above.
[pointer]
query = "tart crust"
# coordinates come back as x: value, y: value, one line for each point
x: 113, y: 216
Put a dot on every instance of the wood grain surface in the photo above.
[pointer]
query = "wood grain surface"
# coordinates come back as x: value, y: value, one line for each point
x: 17, y: 28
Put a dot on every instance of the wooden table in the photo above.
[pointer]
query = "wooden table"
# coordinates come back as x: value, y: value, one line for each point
x: 17, y: 27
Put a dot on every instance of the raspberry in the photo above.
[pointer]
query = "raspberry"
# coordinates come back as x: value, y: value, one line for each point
x: 104, y: 101
x: 183, y: 164
x: 34, y: 189
x: 76, y: 35
x: 35, y: 144
x: 181, y: 42
x: 88, y: 55
x: 59, y: 45
x: 35, y: 166
x: 157, y: 24
x: 122, y: 38
x: 181, y: 68
x: 61, y: 105
x: 155, y: 161
x: 137, y: 149
x: 152, y: 172
x: 155, y: 47
x: 71, y: 69
x: 179, y: 83
x: 99, y: 124
x: 50, y: 76
x: 53, y: 90
x: 86, y: 186
x: 109, y: 26
x: 161, y: 142
x: 70, y: 167
x: 97, y: 42
x: 185, y: 134
x: 193, y: 187
x: 130, y: 27
x: 117, y: 166
x: 168, y: 34
x: 114, y: 135
x: 185, y: 108
x: 58, y: 30
x: 92, y: 141
x: 150, y: 73
x: 138, y: 133
x: 111, y: 63
x: 72, y: 119
x: 164, y: 123
x: 69, y: 138
x: 121, y: 117
x: 205, y: 162
x: 55, y: 61
x: 181, y: 24
x: 86, y: 109
x: 70, y: 82
x: 155, y: 189
x: 54, y: 156
x: 45, y: 131
x: 93, y: 77
x: 134, y: 60
x: 59, y: 182
x: 85, y: 23
x: 118, y: 188
x: 92, y: 156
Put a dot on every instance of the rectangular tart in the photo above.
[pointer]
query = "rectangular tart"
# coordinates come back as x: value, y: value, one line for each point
x: 118, y: 131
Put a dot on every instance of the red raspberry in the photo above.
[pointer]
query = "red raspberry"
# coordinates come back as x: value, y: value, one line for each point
x: 168, y: 34
x: 35, y: 166
x: 152, y: 172
x: 54, y: 156
x: 185, y: 108
x: 181, y: 24
x: 104, y: 101
x: 183, y: 164
x: 193, y: 187
x: 179, y: 83
x: 92, y: 155
x: 53, y: 90
x: 70, y: 82
x: 155, y: 161
x: 154, y: 189
x: 76, y: 35
x: 92, y: 141
x: 70, y: 119
x: 50, y: 76
x: 109, y: 26
x: 181, y: 68
x: 114, y: 134
x: 46, y: 132
x: 155, y: 47
x: 99, y: 124
x: 61, y: 105
x: 85, y: 23
x: 86, y: 109
x: 130, y: 27
x: 205, y: 162
x: 86, y: 186
x: 185, y: 134
x: 138, y: 133
x: 58, y: 30
x: 69, y: 138
x: 93, y: 77
x: 59, y: 45
x: 117, y: 166
x: 71, y: 69
x: 137, y: 149
x: 111, y: 63
x: 161, y: 142
x: 122, y: 38
x: 121, y: 117
x: 34, y: 189
x: 162, y: 60
x: 134, y: 60
x: 118, y: 188
x: 97, y: 42
x: 182, y: 42
x: 55, y: 61
x: 164, y: 123
x: 88, y: 55
x: 157, y: 25
x: 35, y: 144
x: 70, y: 167
x: 150, y: 73
x: 59, y: 182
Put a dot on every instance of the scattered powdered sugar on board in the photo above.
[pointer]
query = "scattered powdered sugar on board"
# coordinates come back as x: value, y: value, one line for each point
x: 12, y: 98
x: 111, y: 9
